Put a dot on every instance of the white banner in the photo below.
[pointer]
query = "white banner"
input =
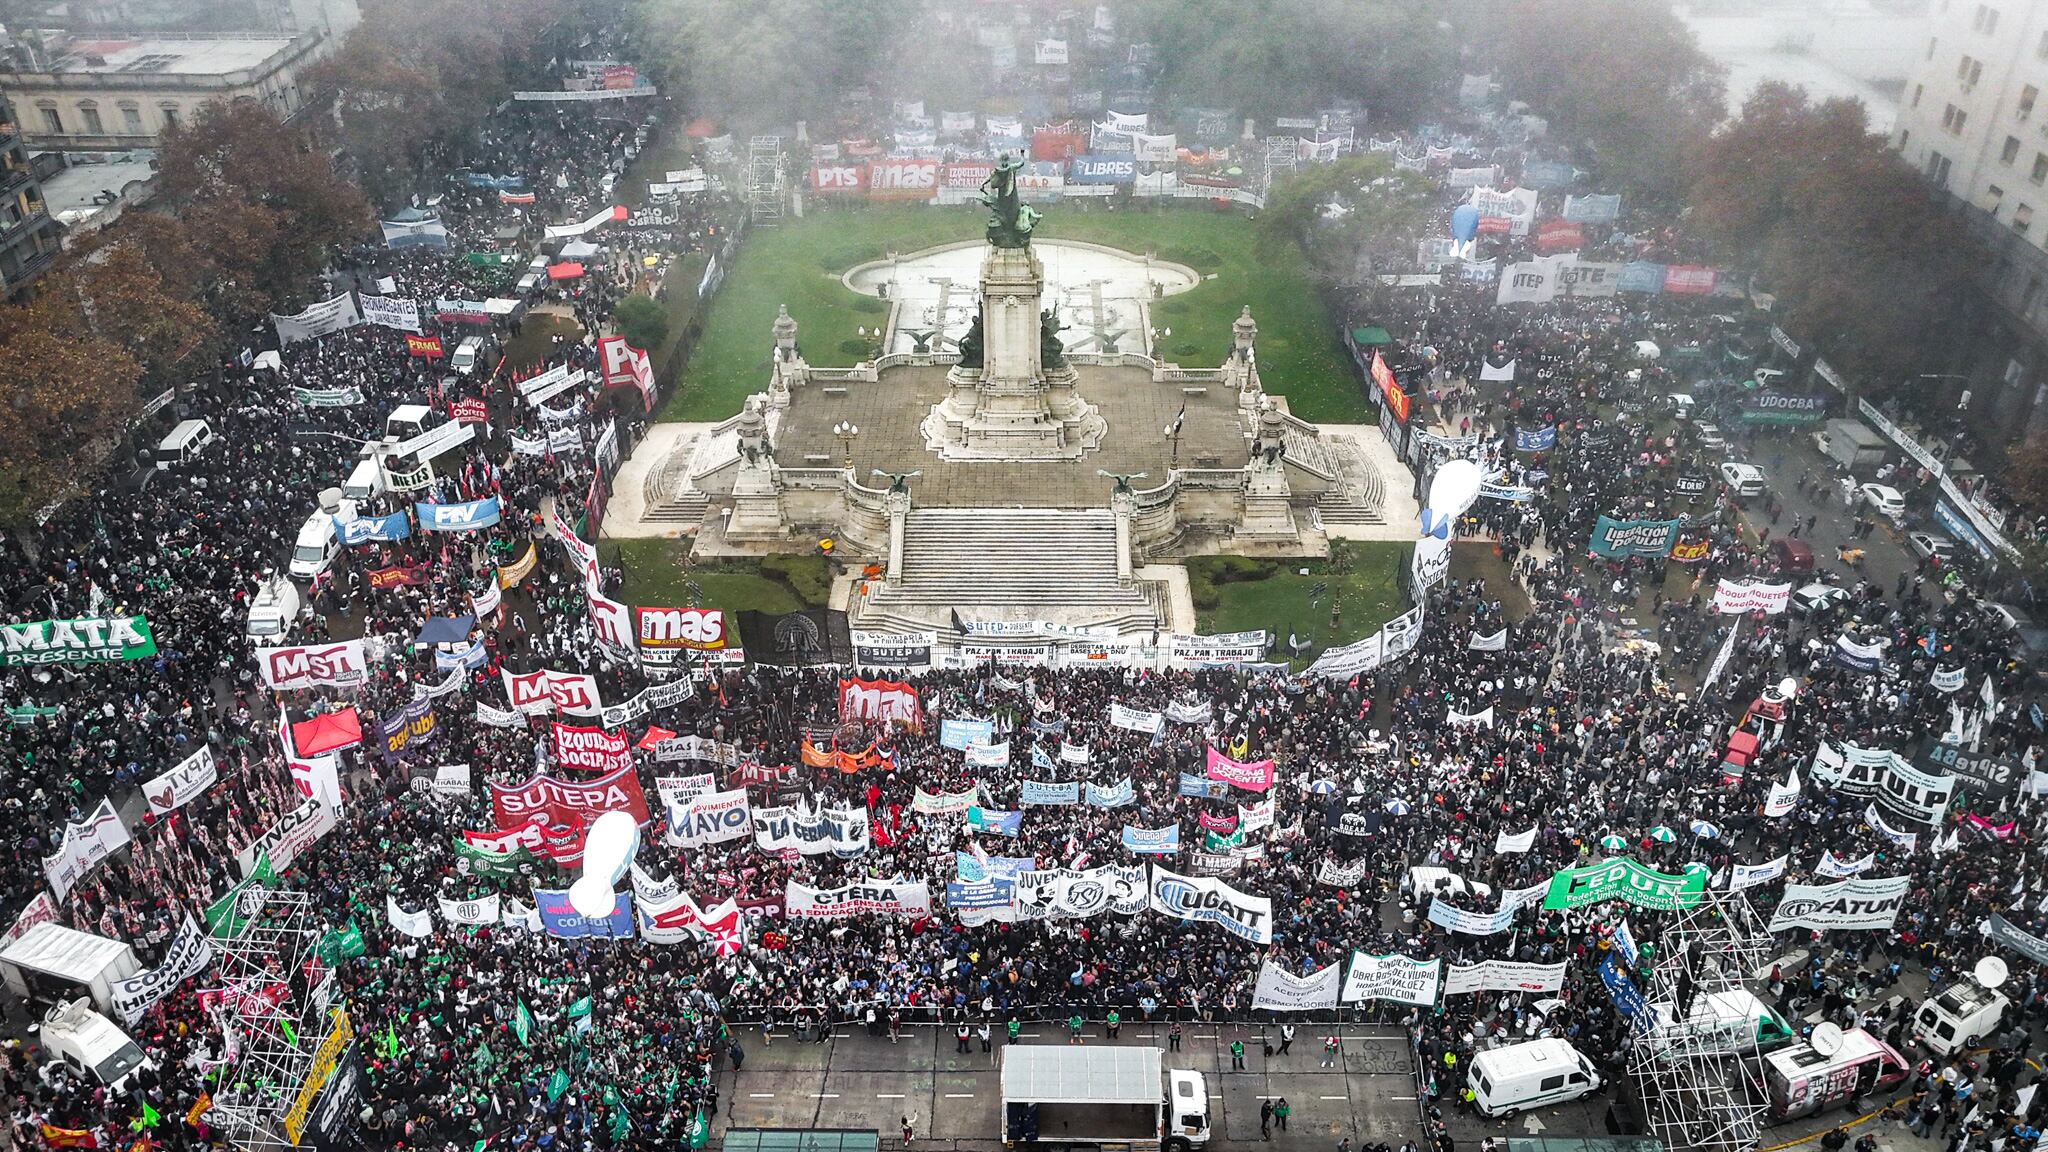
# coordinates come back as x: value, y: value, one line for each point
x: 453, y: 781
x: 603, y: 217
x: 1503, y: 976
x: 1529, y: 282
x: 1455, y: 919
x: 1132, y: 720
x: 1735, y: 598
x: 482, y: 910
x: 1909, y: 841
x: 527, y: 96
x: 313, y: 665
x: 415, y: 924
x: 1782, y: 797
x: 1497, y: 642
x: 183, y: 784
x: 1064, y: 892
x: 1489, y: 371
x: 1743, y: 876
x: 710, y: 818
x: 1504, y: 844
x: 189, y: 954
x: 294, y: 832
x: 392, y: 312
x: 907, y: 898
x: 842, y: 830
x: 1397, y: 978
x: 85, y: 844
x: 1285, y: 992
x: 1213, y: 902
x: 1155, y: 149
x: 1852, y: 904
x: 319, y: 320
x: 1834, y: 867
x: 1341, y: 874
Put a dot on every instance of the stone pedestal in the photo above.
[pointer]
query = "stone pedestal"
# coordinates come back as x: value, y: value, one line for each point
x: 757, y: 512
x: 1267, y: 510
x: 1012, y: 407
x: 899, y: 512
x: 1124, y: 506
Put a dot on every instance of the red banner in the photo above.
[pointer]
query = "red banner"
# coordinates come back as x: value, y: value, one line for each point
x: 591, y: 749
x: 401, y: 576
x: 839, y: 178
x: 878, y: 700
x: 425, y: 347
x: 469, y: 411
x: 1256, y: 776
x: 1558, y: 236
x: 1057, y: 145
x: 1690, y: 279
x: 567, y: 803
x: 517, y: 198
x: 625, y: 366
x: 69, y: 1137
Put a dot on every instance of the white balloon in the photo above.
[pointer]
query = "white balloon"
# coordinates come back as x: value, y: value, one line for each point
x: 608, y: 849
x: 1454, y: 487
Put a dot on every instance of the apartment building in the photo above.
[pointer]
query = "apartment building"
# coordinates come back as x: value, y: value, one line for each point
x: 29, y: 237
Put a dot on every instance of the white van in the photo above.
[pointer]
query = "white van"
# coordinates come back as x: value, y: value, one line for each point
x: 314, y: 547
x: 77, y: 1035
x: 1518, y: 1077
x: 187, y: 440
x: 273, y: 609
x: 467, y: 354
x: 1958, y: 1017
x: 366, y: 480
x: 1743, y: 479
x: 1189, y: 1099
x: 1802, y: 1080
x: 1722, y: 1023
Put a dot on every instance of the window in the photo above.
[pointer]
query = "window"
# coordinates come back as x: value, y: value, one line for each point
x: 1551, y: 1083
x: 2010, y: 151
x: 1985, y: 21
x: 1963, y: 68
x: 93, y: 126
x: 2022, y: 218
x: 131, y: 119
x: 1917, y: 89
x: 2041, y: 49
x: 170, y: 112
x: 2028, y: 95
x: 2040, y: 173
x: 1993, y: 197
x: 1905, y: 134
x: 1969, y: 70
x: 52, y: 122
x: 1938, y: 167
x: 1953, y: 118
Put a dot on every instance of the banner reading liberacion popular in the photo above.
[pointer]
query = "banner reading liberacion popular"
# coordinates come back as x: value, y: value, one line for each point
x: 91, y: 640
x: 1615, y: 538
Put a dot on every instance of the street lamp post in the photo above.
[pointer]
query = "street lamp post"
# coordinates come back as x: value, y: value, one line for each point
x: 1173, y: 445
x: 846, y: 430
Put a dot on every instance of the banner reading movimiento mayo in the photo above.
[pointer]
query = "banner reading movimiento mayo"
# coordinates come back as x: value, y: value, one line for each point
x: 1623, y: 879
x: 91, y: 640
x: 1613, y: 538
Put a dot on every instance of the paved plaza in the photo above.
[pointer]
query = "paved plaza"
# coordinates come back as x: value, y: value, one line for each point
x: 890, y: 411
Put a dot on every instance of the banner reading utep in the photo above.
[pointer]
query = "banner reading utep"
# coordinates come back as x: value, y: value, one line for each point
x: 1612, y: 538
x: 567, y: 802
x: 591, y: 749
x: 1253, y: 777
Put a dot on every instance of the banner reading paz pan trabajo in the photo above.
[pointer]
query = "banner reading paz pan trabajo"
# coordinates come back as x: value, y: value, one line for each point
x: 93, y: 640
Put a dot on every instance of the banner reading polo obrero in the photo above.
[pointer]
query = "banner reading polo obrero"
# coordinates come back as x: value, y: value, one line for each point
x: 1612, y: 538
x: 1252, y: 777
x: 1282, y: 991
x: 878, y: 700
x: 1503, y: 976
x: 85, y: 844
x: 1397, y: 978
x: 1623, y: 879
x: 1850, y: 904
x: 909, y: 899
x: 91, y: 640
x: 1213, y: 902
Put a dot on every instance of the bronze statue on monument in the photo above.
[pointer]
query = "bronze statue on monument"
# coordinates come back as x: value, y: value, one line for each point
x: 1010, y: 219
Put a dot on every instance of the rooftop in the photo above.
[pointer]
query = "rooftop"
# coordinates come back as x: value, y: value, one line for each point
x: 173, y: 56
x: 74, y: 194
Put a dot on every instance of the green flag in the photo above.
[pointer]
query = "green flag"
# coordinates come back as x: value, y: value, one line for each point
x: 557, y: 1084
x: 344, y: 943
x: 226, y: 917
x: 522, y: 1024
x: 391, y: 1041
x: 700, y: 1131
x: 579, y: 1009
x: 290, y: 1037
x: 150, y: 1118
x: 622, y: 1125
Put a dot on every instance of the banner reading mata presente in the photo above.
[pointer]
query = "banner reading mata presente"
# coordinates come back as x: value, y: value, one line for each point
x: 89, y: 640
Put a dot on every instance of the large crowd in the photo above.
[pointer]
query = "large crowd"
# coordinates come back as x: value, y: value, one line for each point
x: 1596, y: 727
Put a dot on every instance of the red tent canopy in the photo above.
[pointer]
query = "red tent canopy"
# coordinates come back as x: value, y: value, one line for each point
x: 566, y: 271
x: 327, y: 732
x: 701, y: 129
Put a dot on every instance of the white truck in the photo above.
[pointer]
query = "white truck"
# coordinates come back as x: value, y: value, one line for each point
x: 52, y: 964
x: 91, y: 1043
x: 1101, y: 1097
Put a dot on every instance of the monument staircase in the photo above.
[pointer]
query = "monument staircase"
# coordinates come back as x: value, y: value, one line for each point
x: 1011, y: 563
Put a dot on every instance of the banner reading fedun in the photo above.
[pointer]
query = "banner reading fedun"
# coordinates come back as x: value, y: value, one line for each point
x: 1623, y: 879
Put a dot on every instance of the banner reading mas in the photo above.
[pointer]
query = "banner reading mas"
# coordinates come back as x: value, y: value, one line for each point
x: 93, y: 640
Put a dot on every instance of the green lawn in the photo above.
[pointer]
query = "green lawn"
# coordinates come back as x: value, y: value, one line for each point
x: 1273, y: 594
x: 799, y: 262
x: 658, y: 573
x: 534, y: 342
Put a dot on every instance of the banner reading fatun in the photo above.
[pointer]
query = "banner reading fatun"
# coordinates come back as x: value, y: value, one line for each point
x: 93, y: 640
x: 1621, y: 879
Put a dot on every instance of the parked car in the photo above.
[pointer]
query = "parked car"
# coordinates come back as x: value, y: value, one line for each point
x: 1885, y: 499
x: 1743, y: 479
x: 1792, y: 554
x: 1931, y: 546
x: 1709, y: 436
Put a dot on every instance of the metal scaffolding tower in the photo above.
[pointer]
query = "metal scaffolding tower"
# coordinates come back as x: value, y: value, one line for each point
x: 767, y: 192
x: 1695, y: 1092
x: 281, y: 1027
x: 1283, y: 156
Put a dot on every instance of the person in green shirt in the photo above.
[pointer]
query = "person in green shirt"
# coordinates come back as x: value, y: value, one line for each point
x: 1114, y: 1023
x: 1237, y: 1055
x: 1013, y: 1028
x: 1281, y: 1111
x: 1074, y: 1028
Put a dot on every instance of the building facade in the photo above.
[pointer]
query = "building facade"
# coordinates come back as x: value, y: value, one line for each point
x: 29, y: 237
x: 118, y: 95
x: 1973, y: 120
